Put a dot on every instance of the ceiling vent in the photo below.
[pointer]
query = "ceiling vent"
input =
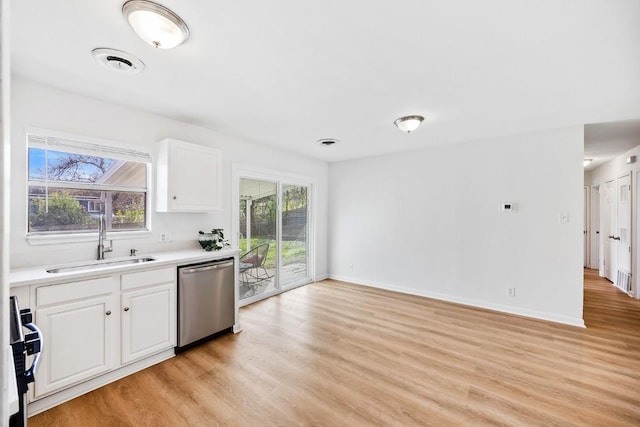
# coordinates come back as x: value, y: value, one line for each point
x: 328, y: 141
x: 117, y: 60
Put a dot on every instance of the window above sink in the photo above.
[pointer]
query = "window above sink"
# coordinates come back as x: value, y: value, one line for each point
x: 72, y: 180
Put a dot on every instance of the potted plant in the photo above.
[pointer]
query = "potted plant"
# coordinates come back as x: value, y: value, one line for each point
x: 212, y: 241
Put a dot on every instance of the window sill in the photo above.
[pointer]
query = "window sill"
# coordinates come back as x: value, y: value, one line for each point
x: 51, y: 239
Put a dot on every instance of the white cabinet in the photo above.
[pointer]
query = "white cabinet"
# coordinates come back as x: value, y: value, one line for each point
x: 148, y: 314
x: 92, y: 327
x: 188, y: 177
x: 79, y: 334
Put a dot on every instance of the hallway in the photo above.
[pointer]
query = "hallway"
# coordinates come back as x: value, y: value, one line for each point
x: 610, y: 312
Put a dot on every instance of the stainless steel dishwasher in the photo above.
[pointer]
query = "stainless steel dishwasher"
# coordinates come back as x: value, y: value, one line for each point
x: 206, y: 300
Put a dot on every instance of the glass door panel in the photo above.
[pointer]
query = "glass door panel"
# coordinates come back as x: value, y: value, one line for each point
x: 258, y: 237
x: 294, y: 235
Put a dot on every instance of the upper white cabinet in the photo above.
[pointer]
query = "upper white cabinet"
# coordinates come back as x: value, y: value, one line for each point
x: 188, y: 177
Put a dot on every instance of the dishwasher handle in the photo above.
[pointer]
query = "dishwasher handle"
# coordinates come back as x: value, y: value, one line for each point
x: 207, y: 267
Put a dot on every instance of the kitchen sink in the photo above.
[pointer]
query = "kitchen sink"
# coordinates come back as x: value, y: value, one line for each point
x: 95, y: 265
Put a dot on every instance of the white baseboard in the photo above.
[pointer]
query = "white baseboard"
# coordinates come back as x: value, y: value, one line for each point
x: 67, y: 394
x: 541, y: 315
x: 321, y: 277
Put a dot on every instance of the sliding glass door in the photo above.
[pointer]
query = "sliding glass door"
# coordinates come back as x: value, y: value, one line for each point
x: 273, y: 237
x: 293, y: 239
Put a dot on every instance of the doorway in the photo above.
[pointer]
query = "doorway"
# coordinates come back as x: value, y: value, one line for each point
x: 585, y: 233
x: 594, y: 228
x: 615, y: 223
x: 609, y: 218
x: 273, y: 224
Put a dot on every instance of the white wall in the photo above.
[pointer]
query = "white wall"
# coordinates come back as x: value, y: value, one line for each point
x: 36, y: 105
x: 429, y: 223
x: 5, y: 166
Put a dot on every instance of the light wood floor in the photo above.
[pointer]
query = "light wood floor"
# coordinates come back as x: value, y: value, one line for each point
x: 335, y: 354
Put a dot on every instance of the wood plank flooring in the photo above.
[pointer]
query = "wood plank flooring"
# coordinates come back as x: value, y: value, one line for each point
x: 336, y: 354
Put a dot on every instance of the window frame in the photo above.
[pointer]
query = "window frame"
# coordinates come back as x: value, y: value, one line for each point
x: 50, y: 237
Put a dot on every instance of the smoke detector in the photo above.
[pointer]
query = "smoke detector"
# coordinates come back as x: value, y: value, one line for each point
x: 328, y: 141
x: 117, y: 60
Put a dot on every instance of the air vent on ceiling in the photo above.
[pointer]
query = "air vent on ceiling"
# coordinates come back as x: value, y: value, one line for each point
x: 328, y: 141
x: 117, y: 60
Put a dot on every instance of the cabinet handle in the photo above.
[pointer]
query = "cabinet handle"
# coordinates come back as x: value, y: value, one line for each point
x: 126, y: 309
x: 108, y: 313
x: 174, y: 197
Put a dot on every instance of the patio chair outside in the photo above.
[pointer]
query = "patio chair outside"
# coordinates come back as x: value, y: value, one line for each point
x: 252, y: 270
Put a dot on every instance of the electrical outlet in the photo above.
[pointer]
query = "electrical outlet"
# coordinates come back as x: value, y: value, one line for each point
x: 511, y: 292
x: 165, y: 237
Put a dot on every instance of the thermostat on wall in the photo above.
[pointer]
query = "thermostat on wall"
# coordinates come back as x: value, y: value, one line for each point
x: 508, y: 207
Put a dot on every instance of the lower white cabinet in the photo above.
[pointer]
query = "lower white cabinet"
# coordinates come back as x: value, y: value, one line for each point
x: 148, y: 321
x: 78, y: 341
x: 94, y: 326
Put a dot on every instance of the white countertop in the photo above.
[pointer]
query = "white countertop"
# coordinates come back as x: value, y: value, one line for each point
x: 39, y: 276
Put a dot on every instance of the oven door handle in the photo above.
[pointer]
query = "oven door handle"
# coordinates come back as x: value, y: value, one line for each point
x: 30, y: 373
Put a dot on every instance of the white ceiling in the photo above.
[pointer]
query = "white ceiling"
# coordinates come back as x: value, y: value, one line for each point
x: 604, y: 141
x: 286, y: 72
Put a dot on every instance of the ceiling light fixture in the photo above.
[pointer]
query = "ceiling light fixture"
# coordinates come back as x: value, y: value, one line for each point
x: 155, y: 24
x: 408, y: 123
x: 586, y: 162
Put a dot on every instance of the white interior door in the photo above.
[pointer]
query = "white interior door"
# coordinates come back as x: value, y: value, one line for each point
x: 609, y: 229
x: 594, y: 229
x: 585, y: 234
x: 623, y: 233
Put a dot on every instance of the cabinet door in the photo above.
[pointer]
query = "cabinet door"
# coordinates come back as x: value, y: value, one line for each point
x: 78, y: 342
x: 148, y: 321
x: 188, y: 177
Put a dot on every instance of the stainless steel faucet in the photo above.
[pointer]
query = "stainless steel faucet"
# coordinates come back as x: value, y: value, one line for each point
x: 102, y: 236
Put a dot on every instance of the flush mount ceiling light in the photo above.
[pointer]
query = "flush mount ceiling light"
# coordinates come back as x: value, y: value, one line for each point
x: 155, y: 24
x: 586, y: 162
x: 408, y: 123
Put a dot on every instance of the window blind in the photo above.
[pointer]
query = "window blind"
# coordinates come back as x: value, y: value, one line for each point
x: 88, y: 148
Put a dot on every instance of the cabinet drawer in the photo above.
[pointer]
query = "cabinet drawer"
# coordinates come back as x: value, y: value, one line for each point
x: 74, y: 290
x: 146, y: 278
